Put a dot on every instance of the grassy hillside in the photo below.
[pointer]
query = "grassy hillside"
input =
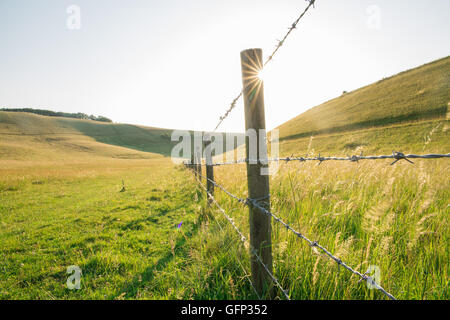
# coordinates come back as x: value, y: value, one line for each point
x: 418, y: 94
x: 61, y: 204
x: 419, y: 137
x: 25, y: 135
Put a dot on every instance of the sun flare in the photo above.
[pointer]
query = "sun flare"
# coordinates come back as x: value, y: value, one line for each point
x: 261, y: 74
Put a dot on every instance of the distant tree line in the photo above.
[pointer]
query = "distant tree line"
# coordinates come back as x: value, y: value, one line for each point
x: 49, y: 113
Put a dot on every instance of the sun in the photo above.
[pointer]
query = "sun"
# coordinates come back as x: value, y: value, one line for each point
x: 261, y: 74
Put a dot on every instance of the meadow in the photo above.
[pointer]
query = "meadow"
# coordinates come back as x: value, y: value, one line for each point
x: 129, y: 246
x: 107, y: 198
x: 367, y: 213
x: 54, y: 217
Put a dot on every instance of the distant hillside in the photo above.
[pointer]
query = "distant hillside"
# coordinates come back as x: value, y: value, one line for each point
x: 417, y: 94
x: 50, y: 113
x: 31, y: 136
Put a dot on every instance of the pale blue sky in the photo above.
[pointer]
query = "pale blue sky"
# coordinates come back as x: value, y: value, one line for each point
x: 175, y: 63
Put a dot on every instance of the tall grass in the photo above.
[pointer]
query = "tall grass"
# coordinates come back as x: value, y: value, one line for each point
x: 366, y: 213
x: 57, y: 214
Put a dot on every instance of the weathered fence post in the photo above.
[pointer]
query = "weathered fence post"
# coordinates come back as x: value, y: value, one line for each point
x: 209, y: 168
x: 258, y: 184
x: 191, y: 166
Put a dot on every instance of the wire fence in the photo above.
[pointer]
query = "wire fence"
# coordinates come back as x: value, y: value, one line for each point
x: 314, y: 244
x: 252, y: 203
x: 395, y: 155
x: 245, y: 242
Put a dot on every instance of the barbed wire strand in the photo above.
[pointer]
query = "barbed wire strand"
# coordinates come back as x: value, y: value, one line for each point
x: 227, y: 113
x: 395, y: 155
x: 244, y: 240
x: 270, y: 58
x: 315, y: 244
x: 247, y: 276
x: 292, y: 28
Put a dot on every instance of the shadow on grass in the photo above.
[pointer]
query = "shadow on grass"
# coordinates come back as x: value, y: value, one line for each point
x: 154, y: 140
x: 139, y: 281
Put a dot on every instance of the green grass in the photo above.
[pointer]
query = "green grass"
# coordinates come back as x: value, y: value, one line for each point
x: 418, y: 94
x: 116, y: 238
x: 367, y: 213
x: 128, y: 245
x: 61, y: 205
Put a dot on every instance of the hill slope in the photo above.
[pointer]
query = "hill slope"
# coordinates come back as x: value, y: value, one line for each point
x: 30, y: 136
x: 417, y: 94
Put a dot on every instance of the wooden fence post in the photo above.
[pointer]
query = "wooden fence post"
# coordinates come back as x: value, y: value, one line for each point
x: 209, y: 168
x: 191, y: 166
x: 258, y: 184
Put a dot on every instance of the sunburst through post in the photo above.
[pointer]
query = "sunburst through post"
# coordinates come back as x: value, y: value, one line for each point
x: 262, y: 74
x: 258, y: 184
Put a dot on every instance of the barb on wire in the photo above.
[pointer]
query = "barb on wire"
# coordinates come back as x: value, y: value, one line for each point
x: 232, y: 106
x: 270, y: 58
x: 292, y: 28
x: 397, y: 156
x: 246, y: 243
x: 315, y: 244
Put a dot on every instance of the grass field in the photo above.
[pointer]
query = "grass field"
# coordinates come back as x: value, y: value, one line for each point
x: 61, y: 205
x: 56, y: 216
x: 367, y: 213
x: 129, y: 247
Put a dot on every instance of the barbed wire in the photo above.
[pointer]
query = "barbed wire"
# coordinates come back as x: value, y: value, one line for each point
x: 247, y: 276
x: 270, y: 58
x: 314, y: 244
x: 291, y: 28
x: 227, y: 113
x: 395, y: 155
x: 244, y: 240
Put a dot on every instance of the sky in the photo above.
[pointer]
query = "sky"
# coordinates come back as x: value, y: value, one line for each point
x: 176, y: 63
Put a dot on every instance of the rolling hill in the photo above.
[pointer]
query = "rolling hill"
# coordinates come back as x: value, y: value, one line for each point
x: 103, y: 197
x: 35, y: 137
x: 422, y: 93
x: 25, y: 136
